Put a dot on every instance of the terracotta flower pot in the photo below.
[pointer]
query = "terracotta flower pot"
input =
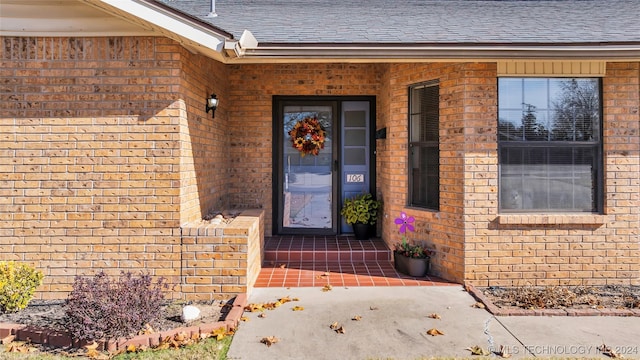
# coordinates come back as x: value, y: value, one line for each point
x: 411, y: 266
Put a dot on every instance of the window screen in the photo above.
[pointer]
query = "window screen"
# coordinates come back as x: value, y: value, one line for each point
x: 424, y: 153
x: 549, y: 142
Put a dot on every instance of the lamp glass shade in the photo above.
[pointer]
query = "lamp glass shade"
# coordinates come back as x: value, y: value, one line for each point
x: 212, y: 102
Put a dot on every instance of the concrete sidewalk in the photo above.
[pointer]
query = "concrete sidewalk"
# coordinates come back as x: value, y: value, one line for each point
x: 395, y: 320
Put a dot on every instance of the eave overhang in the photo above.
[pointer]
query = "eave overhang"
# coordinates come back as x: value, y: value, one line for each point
x: 82, y: 18
x: 264, y: 53
x: 194, y: 34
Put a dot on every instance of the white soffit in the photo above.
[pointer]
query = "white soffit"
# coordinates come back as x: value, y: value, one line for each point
x: 192, y: 34
x: 61, y: 18
x: 107, y: 18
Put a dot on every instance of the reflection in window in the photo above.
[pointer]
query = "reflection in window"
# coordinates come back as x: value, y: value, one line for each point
x: 549, y: 144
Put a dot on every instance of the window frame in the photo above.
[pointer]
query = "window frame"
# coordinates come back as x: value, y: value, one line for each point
x: 596, y: 144
x: 413, y: 146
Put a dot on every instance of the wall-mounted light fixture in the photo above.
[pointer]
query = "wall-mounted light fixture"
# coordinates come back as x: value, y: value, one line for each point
x: 212, y: 104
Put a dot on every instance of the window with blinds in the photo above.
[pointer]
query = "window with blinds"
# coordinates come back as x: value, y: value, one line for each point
x: 549, y: 144
x: 424, y: 152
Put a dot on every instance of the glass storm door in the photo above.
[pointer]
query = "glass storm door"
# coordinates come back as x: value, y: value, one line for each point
x: 323, y: 155
x: 308, y: 170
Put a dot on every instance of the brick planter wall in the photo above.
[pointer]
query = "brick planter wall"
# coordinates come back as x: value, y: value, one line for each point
x: 221, y: 260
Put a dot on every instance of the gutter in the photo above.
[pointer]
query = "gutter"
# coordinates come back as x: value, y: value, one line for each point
x: 254, y: 52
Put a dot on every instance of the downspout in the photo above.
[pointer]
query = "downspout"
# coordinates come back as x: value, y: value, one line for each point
x: 212, y: 13
x: 237, y: 49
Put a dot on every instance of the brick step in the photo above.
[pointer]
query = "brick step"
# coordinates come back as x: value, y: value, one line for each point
x: 324, y: 249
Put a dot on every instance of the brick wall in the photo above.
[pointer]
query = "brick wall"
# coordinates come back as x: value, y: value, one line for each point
x: 443, y: 230
x: 105, y: 151
x: 104, y: 148
x: 558, y: 249
x: 472, y: 241
x: 204, y: 161
x: 222, y: 260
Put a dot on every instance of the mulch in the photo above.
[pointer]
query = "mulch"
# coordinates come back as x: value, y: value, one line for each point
x: 610, y: 300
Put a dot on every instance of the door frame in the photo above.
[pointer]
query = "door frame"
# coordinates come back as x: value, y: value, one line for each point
x: 278, y: 103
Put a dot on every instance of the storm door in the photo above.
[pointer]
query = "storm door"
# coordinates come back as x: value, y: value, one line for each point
x: 322, y: 153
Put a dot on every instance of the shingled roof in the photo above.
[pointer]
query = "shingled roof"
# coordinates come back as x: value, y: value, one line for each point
x: 423, y: 22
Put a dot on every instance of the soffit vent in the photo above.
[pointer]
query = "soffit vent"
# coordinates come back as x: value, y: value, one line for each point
x: 552, y: 68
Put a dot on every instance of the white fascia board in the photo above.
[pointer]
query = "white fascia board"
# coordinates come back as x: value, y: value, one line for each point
x: 160, y: 18
x: 418, y: 53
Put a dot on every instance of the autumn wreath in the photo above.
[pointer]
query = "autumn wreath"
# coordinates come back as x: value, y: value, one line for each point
x: 308, y: 136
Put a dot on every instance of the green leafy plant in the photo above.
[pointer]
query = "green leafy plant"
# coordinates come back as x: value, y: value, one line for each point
x: 18, y: 282
x: 416, y: 251
x: 361, y: 209
x: 103, y: 308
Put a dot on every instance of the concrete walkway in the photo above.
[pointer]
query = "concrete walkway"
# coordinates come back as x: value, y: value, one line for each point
x: 395, y: 320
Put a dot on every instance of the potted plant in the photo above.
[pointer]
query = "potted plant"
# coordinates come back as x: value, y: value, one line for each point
x: 361, y: 212
x: 410, y: 259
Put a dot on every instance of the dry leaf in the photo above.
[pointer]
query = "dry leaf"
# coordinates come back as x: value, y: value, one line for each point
x: 282, y: 266
x: 327, y: 288
x: 284, y: 300
x: 340, y: 330
x: 219, y: 333
x: 503, y: 353
x: 478, y: 305
x: 131, y: 348
x: 434, y: 332
x: 270, y: 340
x: 20, y: 347
x: 608, y: 351
x: 373, y: 308
x: 181, y: 336
x: 254, y: 307
x: 262, y: 315
x: 334, y: 326
x: 146, y: 330
x: 297, y: 308
x: 357, y: 318
x: 295, y: 299
x: 244, y: 318
x: 164, y: 343
x: 92, y: 346
x: 7, y: 339
x: 93, y: 353
x: 477, y: 350
x: 435, y: 316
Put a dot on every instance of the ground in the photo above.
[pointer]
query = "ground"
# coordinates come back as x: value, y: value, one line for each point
x: 49, y: 314
x: 565, y: 297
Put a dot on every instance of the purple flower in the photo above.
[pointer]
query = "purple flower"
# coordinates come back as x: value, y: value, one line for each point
x: 405, y: 223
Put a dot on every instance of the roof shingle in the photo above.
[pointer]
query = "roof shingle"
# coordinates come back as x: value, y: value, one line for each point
x: 416, y: 21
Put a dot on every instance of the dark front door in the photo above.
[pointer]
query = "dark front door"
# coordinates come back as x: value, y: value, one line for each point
x: 323, y: 153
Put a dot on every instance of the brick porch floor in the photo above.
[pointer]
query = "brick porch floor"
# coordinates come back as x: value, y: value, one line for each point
x: 301, y: 261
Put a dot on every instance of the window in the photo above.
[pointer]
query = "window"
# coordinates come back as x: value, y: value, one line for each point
x: 424, y: 154
x: 549, y: 143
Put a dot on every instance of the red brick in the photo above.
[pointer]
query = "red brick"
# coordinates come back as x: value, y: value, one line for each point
x: 7, y: 329
x: 137, y: 341
x: 58, y: 339
x: 30, y: 333
x: 211, y: 327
